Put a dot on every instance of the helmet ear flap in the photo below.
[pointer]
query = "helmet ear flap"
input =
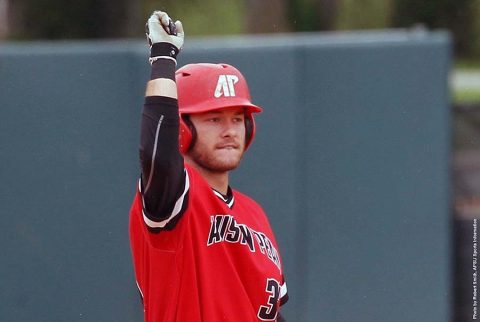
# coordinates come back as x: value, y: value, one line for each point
x: 249, y: 130
x: 187, y: 134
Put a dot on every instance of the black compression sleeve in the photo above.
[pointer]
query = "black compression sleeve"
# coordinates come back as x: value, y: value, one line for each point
x: 162, y: 165
x: 163, y: 68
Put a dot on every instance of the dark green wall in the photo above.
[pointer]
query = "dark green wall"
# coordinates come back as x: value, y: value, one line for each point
x: 350, y: 161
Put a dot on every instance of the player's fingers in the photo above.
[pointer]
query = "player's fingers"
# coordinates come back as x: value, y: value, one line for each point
x: 165, y: 19
x: 153, y: 18
x: 159, y: 13
x: 179, y: 26
x: 161, y: 17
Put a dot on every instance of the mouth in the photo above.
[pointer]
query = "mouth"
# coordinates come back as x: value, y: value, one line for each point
x: 227, y: 146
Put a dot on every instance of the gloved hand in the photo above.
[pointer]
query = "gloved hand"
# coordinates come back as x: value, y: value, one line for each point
x: 164, y: 37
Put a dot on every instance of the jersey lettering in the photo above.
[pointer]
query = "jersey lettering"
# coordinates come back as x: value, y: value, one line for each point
x: 233, y: 232
x: 225, y: 228
x: 260, y: 240
x: 216, y: 229
x: 247, y: 237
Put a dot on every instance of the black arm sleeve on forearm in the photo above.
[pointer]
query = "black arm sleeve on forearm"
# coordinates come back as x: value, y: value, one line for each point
x: 163, y: 177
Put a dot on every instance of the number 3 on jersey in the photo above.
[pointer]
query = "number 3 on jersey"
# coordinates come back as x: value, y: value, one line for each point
x: 269, y: 312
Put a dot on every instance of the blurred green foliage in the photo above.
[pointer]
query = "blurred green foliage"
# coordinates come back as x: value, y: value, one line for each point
x: 204, y: 17
x: 353, y: 14
x: 458, y: 16
x: 57, y: 19
x: 303, y: 15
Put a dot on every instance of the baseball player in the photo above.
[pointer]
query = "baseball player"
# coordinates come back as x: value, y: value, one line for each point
x: 202, y: 251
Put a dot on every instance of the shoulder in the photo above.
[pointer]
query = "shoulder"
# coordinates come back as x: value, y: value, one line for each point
x: 198, y: 186
x: 194, y: 177
x: 246, y: 200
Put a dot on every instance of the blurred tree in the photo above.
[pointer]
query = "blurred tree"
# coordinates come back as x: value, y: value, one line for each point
x: 352, y: 14
x: 310, y: 15
x: 55, y: 19
x: 266, y: 16
x: 4, y: 19
x: 456, y: 15
x: 203, y: 17
x: 135, y: 19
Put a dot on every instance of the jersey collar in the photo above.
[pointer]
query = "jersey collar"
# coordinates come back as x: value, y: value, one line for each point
x: 228, y: 199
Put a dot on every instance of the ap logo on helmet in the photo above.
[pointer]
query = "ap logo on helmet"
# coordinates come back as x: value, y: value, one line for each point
x: 225, y: 85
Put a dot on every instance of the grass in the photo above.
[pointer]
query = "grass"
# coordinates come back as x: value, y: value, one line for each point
x: 467, y: 64
x: 466, y: 96
x: 460, y: 92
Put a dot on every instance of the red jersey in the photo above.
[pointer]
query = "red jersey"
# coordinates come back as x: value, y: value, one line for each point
x: 219, y: 261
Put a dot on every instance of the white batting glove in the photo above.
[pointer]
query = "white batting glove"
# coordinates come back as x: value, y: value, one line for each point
x: 164, y: 37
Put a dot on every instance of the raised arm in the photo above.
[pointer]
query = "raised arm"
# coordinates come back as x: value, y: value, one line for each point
x: 163, y: 181
x: 166, y: 41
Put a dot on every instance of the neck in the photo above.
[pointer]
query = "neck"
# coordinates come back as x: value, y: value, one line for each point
x: 216, y: 180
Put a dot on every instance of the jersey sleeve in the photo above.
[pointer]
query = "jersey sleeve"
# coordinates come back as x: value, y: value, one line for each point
x: 283, y: 292
x: 164, y: 182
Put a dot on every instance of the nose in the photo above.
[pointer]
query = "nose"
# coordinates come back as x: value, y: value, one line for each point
x: 231, y: 128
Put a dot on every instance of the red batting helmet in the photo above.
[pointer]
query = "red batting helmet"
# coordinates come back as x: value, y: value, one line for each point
x: 207, y: 87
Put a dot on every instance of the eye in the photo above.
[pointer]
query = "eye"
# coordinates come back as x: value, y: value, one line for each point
x: 238, y: 119
x: 213, y: 119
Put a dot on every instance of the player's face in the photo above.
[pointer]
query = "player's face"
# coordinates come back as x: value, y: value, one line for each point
x: 220, y: 140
